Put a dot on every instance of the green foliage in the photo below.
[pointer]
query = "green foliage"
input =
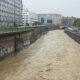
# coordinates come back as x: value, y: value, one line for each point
x: 14, y: 29
x: 37, y: 23
x: 77, y: 22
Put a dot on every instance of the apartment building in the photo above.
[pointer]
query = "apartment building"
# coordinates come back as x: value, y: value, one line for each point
x: 10, y: 13
x: 29, y: 18
x: 50, y: 18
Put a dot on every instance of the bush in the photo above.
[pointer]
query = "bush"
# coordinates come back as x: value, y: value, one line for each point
x: 77, y: 23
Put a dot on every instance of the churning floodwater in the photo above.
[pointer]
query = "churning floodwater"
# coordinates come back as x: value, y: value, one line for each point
x: 55, y: 56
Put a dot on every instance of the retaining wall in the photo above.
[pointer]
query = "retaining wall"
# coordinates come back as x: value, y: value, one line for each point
x: 12, y: 43
x: 73, y: 35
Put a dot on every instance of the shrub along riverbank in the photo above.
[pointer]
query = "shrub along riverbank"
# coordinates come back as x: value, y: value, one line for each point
x: 14, y: 29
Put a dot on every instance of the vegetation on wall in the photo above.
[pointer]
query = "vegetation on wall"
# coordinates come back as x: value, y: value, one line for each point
x: 14, y: 29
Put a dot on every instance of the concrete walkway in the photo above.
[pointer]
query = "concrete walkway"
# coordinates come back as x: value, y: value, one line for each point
x: 55, y: 56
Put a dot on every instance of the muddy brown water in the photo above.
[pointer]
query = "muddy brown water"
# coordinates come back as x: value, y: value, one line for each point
x: 55, y: 56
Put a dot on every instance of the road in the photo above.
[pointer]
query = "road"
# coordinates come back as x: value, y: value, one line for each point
x: 55, y: 56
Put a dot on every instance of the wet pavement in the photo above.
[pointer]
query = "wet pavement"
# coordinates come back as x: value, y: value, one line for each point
x: 55, y: 56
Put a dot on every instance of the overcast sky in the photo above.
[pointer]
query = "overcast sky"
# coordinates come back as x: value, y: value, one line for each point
x: 64, y: 7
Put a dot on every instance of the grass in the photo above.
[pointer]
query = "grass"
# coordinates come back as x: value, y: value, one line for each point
x: 14, y: 29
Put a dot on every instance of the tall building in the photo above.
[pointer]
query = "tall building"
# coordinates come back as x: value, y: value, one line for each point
x: 50, y: 18
x: 10, y: 13
x: 29, y: 18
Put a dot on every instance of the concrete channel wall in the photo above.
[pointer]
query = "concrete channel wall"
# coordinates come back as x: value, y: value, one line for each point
x: 73, y: 35
x: 12, y: 43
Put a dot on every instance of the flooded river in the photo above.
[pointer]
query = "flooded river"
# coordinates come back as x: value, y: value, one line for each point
x: 54, y: 56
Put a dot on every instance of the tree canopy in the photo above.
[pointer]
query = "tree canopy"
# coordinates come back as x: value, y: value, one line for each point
x: 77, y: 22
x: 37, y: 23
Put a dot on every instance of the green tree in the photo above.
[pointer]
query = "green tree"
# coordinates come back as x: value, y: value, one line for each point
x: 77, y: 22
x: 37, y: 23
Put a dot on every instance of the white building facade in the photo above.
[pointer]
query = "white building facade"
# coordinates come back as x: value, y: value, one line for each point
x: 10, y: 13
x: 29, y: 18
x: 50, y: 18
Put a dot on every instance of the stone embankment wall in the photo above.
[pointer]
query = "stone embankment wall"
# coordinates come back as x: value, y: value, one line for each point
x: 11, y: 43
x: 73, y: 35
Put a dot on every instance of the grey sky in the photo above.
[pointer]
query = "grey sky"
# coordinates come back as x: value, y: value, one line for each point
x: 64, y: 7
